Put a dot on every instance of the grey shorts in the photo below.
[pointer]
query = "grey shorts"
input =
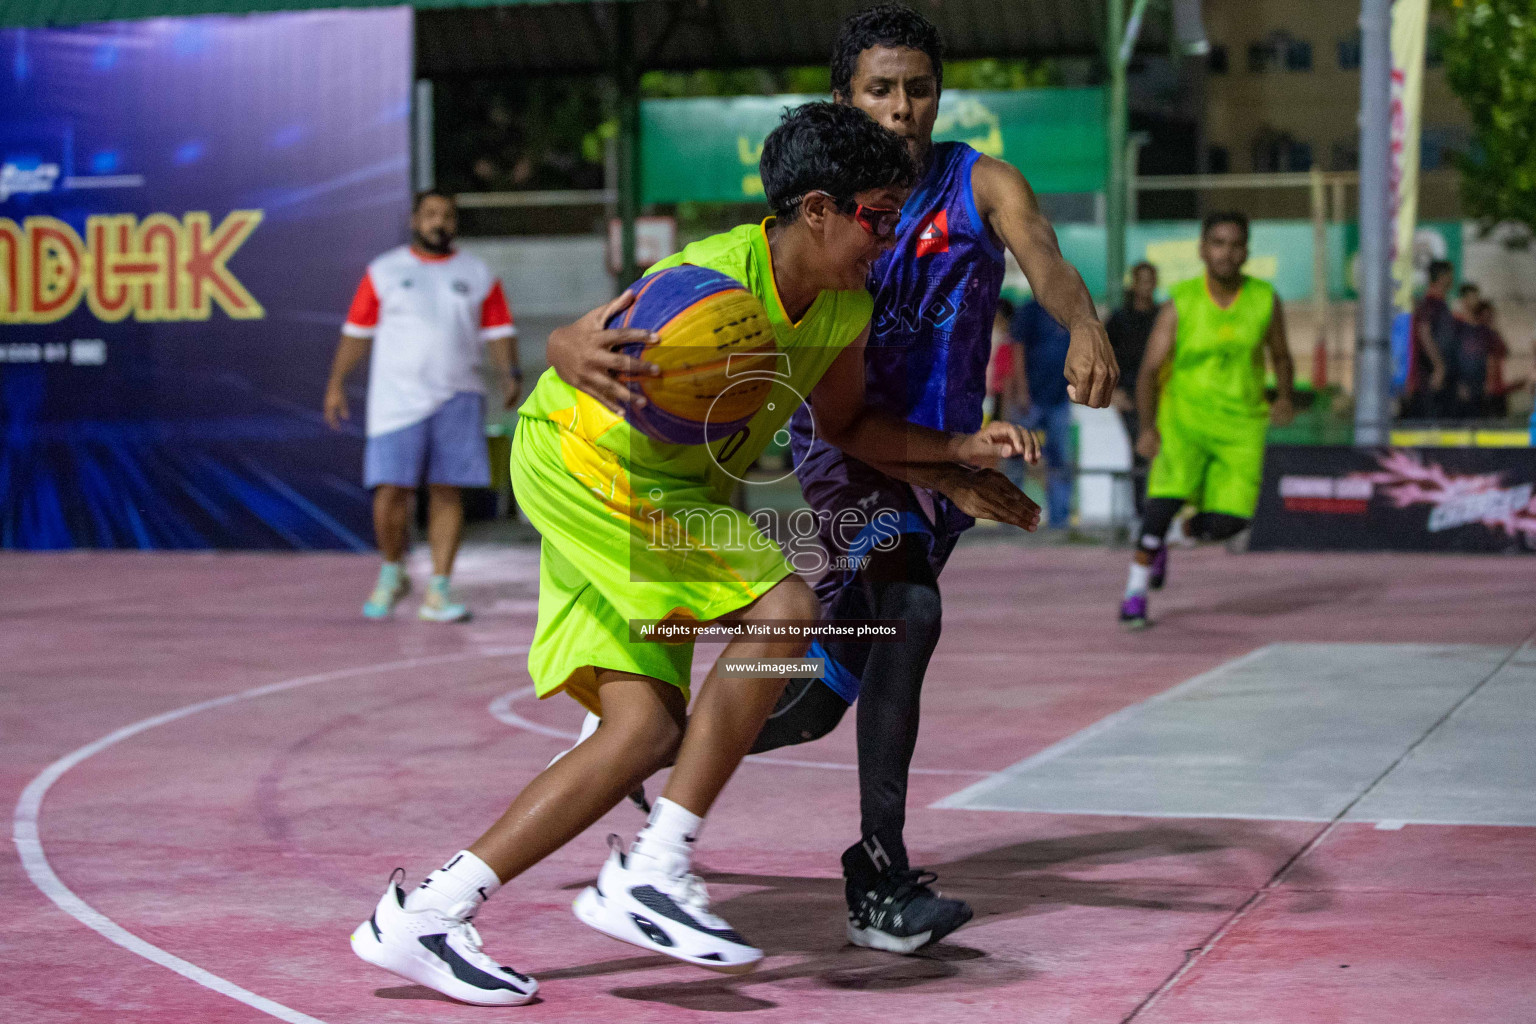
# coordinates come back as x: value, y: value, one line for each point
x: 447, y: 448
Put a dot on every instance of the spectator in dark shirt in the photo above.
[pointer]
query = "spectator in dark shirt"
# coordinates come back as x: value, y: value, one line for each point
x: 1434, y: 329
x: 1466, y: 361
x: 1131, y: 324
x: 1469, y: 298
x: 1000, y: 376
x: 1128, y: 328
x: 1044, y: 405
x: 1482, y: 358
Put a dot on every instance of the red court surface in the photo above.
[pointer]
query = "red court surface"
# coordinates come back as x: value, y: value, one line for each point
x: 241, y: 842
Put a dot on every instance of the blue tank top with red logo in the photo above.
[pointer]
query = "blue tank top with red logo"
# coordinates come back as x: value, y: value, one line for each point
x: 935, y: 296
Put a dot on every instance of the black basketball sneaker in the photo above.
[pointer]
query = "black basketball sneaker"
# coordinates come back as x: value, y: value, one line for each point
x: 895, y: 909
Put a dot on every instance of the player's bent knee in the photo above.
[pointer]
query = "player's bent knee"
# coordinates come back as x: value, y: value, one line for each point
x: 1230, y: 528
x: 1216, y: 526
x: 808, y: 709
x: 917, y: 605
x: 664, y: 748
x: 817, y: 728
x: 656, y: 737
x: 790, y: 598
x: 1158, y: 517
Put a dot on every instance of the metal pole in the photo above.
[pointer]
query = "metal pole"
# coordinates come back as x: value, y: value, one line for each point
x: 1133, y: 145
x: 425, y: 159
x: 1373, y: 365
x: 1320, y: 272
x: 1115, y: 190
x: 627, y: 76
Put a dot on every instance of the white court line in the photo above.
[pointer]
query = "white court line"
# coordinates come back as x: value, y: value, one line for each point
x: 501, y: 710
x: 29, y: 844
x: 34, y: 860
x: 1077, y: 739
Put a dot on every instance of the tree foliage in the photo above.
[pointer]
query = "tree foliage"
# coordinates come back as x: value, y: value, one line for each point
x: 1490, y: 61
x: 1000, y: 75
x: 552, y: 132
x: 510, y: 133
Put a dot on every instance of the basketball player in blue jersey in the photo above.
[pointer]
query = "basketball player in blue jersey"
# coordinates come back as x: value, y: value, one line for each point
x: 935, y: 296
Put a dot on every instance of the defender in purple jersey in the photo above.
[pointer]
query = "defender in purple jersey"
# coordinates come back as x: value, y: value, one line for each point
x: 890, y: 528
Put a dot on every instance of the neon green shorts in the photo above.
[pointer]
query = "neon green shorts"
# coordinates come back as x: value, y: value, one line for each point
x: 620, y: 543
x: 1216, y: 465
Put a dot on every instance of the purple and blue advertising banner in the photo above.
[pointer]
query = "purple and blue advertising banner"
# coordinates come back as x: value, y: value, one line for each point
x: 186, y: 207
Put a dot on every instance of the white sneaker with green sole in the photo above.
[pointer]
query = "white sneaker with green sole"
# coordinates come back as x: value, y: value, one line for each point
x: 438, y: 606
x: 387, y: 592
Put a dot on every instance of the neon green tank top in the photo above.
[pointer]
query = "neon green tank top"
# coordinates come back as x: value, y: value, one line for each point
x: 1218, y: 354
x: 806, y: 350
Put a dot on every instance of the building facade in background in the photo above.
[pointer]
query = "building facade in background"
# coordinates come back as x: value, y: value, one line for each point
x: 1282, y: 93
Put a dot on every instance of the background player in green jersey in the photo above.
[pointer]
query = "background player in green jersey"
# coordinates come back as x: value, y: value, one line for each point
x: 1201, y: 402
x: 595, y: 487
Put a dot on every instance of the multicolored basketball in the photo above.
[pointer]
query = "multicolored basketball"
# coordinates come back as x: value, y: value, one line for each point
x: 716, y: 351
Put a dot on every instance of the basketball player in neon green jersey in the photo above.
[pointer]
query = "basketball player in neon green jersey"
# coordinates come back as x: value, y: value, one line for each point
x: 1201, y: 399
x: 595, y: 487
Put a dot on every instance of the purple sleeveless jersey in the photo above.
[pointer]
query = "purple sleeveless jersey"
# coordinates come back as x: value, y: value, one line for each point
x: 931, y: 336
x: 935, y: 296
x: 929, y: 343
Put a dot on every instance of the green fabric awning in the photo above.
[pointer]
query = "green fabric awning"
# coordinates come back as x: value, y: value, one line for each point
x: 707, y: 149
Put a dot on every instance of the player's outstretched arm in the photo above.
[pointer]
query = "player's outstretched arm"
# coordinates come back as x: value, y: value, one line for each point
x: 843, y: 419
x: 1148, y: 382
x: 918, y: 455
x: 1284, y: 409
x: 585, y: 355
x: 979, y: 493
x: 1008, y: 205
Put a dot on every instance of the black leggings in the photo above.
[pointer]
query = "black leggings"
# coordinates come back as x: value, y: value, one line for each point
x: 897, y: 584
x: 1206, y: 526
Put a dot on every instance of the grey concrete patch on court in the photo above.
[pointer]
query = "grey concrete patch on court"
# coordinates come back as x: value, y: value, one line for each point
x: 1292, y: 731
x: 1477, y: 768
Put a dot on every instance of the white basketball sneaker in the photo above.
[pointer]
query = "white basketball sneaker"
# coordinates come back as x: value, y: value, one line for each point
x: 663, y: 913
x: 438, y: 606
x: 439, y: 950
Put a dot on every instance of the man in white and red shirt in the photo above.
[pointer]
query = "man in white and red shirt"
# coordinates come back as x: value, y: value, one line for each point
x: 429, y: 314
